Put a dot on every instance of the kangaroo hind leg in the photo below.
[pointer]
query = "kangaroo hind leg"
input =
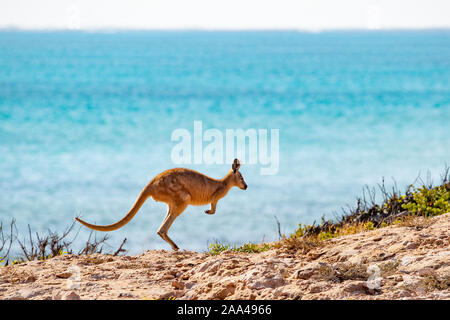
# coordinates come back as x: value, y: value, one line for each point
x: 172, y: 213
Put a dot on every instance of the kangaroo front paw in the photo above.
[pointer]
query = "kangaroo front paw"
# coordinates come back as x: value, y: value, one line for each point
x: 209, y: 212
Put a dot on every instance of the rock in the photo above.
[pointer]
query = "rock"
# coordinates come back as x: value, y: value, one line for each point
x: 64, y: 275
x: 223, y: 291
x: 308, y: 270
x: 13, y: 297
x: 346, y: 254
x: 126, y: 295
x: 190, y: 285
x: 402, y: 294
x: 179, y: 285
x: 357, y: 260
x: 408, y: 281
x: 71, y: 296
x: 406, y: 260
x: 280, y: 294
x: 395, y: 278
x: 185, y: 277
x: 303, y: 274
x: 269, y: 282
x: 412, y: 246
x: 173, y: 272
x: 356, y: 287
x: 161, y: 293
x: 29, y: 293
x: 31, y: 278
x: 57, y: 295
x: 420, y: 290
x: 425, y: 272
x: 210, y: 266
x: 319, y: 287
x: 190, y: 295
x: 395, y: 247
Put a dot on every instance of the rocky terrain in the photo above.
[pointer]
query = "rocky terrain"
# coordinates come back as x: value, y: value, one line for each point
x: 405, y: 261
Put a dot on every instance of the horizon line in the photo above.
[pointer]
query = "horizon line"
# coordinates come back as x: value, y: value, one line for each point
x: 200, y: 29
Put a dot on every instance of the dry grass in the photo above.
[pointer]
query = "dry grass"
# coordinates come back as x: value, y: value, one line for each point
x: 96, y: 260
x: 416, y: 222
x: 342, y: 272
x: 389, y: 268
x: 301, y: 245
x: 35, y: 246
x: 130, y: 265
x: 436, y: 282
x: 13, y: 275
x: 352, y: 271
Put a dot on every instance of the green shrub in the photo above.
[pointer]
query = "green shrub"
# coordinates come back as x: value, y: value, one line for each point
x: 218, y: 248
x: 254, y: 248
x: 429, y: 202
x: 302, y: 229
x: 426, y: 201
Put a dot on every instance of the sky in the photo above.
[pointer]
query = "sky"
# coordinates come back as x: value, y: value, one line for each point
x: 224, y: 14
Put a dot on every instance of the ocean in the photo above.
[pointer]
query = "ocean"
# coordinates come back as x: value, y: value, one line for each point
x: 86, y: 120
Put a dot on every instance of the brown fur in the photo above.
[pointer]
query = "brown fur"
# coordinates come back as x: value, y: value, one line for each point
x: 179, y: 188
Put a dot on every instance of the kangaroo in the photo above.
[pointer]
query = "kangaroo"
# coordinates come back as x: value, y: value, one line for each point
x: 178, y: 188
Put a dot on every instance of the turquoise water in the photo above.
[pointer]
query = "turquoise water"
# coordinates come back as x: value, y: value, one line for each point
x: 86, y: 121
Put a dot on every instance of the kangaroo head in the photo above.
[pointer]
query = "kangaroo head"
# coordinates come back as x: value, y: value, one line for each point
x: 237, y: 179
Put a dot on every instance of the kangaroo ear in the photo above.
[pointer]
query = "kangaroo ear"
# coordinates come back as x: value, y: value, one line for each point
x: 236, y: 165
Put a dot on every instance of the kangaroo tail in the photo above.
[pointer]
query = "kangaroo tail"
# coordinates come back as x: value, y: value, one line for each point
x: 137, y: 205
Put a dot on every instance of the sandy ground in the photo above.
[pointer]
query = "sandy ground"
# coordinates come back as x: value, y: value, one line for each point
x: 396, y: 262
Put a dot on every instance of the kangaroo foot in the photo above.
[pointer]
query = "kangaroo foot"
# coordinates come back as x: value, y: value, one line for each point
x: 166, y: 238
